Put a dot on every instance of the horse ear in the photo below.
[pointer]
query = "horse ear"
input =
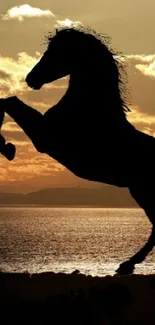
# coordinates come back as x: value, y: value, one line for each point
x: 56, y: 30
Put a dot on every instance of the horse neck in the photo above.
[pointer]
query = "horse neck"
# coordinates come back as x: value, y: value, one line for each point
x: 88, y: 91
x: 86, y: 86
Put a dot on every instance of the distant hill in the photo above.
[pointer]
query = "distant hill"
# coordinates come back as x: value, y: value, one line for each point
x: 105, y: 196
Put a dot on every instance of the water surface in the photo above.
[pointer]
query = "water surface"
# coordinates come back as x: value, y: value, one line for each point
x: 94, y: 240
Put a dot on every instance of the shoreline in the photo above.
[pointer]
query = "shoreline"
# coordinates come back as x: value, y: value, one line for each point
x: 67, y: 206
x: 75, y: 298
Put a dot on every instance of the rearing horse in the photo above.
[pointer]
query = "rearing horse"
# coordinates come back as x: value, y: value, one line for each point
x: 87, y: 131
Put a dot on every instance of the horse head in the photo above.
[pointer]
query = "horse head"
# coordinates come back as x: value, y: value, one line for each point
x: 84, y: 56
x: 56, y: 62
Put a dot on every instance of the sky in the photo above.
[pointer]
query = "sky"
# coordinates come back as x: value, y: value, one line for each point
x: 23, y: 27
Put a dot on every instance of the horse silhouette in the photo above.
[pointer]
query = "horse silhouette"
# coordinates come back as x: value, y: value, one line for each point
x: 87, y: 131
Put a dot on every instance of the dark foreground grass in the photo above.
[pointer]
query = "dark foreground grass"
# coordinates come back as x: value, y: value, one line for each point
x: 49, y: 298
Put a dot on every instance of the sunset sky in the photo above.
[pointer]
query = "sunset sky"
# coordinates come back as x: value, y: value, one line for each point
x: 23, y: 26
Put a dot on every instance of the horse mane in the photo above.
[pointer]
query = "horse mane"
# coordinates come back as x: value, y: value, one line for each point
x: 116, y: 62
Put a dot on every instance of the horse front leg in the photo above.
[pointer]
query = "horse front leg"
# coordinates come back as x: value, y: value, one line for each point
x: 127, y: 267
x: 30, y: 120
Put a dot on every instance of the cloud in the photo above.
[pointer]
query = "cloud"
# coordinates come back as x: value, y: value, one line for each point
x: 12, y: 132
x: 141, y: 57
x: 14, y: 71
x: 26, y: 11
x: 147, y: 70
x: 35, y: 166
x: 67, y: 23
x: 11, y: 127
x: 28, y: 163
x: 142, y: 121
x: 4, y: 75
x: 146, y: 65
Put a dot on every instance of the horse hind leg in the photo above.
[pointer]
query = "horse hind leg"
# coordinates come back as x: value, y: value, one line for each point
x: 127, y: 267
x: 145, y: 200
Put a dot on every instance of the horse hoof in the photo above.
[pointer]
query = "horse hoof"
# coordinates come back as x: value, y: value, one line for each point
x: 10, y: 151
x: 126, y: 268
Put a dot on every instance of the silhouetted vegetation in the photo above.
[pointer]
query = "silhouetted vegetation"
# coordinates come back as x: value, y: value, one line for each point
x: 50, y: 298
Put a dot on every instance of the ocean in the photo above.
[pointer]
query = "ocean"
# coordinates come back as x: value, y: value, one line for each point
x: 92, y: 240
